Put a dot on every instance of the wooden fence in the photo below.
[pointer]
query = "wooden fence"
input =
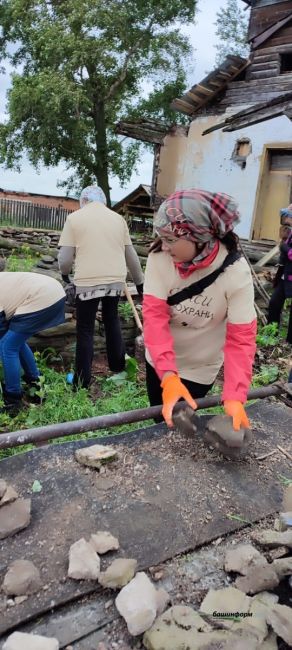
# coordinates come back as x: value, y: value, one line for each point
x: 31, y: 215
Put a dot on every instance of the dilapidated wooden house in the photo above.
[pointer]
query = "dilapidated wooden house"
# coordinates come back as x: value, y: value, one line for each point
x: 229, y: 145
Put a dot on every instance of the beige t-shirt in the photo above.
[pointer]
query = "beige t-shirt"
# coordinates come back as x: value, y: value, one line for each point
x: 25, y: 293
x: 99, y: 236
x: 198, y: 324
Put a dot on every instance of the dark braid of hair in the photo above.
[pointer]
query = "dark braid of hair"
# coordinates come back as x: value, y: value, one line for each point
x: 230, y: 241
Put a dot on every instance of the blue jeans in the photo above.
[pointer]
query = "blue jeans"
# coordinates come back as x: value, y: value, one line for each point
x: 14, y: 354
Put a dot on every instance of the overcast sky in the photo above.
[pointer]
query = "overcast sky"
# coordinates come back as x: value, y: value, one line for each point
x: 202, y: 36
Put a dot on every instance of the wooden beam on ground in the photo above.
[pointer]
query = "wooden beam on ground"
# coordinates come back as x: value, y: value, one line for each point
x: 268, y: 256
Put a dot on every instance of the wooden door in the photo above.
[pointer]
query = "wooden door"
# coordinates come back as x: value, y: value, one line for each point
x: 275, y: 193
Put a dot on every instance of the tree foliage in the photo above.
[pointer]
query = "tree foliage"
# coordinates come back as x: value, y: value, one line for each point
x: 232, y: 26
x: 82, y: 66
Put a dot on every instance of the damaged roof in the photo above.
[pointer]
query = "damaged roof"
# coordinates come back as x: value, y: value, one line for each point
x: 276, y: 107
x: 215, y: 82
x: 144, y: 130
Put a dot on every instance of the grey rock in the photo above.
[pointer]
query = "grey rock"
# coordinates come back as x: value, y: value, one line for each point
x: 273, y: 538
x: 181, y: 628
x: 285, y: 519
x: 84, y: 563
x: 95, y: 455
x: 162, y: 600
x: 279, y: 618
x: 22, y: 641
x: 14, y: 517
x: 220, y: 434
x: 287, y: 499
x: 223, y: 427
x: 9, y: 495
x: 258, y: 578
x: 242, y: 558
x: 137, y: 604
x: 283, y: 567
x: 22, y: 578
x: 119, y: 573
x: 103, y: 542
x: 228, y: 601
x: 3, y: 487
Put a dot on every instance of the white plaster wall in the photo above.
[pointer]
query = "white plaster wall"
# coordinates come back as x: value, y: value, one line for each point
x: 207, y: 160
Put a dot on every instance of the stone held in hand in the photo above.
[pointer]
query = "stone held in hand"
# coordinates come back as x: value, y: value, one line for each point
x: 96, y: 455
x: 84, y: 563
x: 119, y: 573
x: 21, y: 579
x: 219, y: 433
x: 22, y: 641
x: 103, y: 542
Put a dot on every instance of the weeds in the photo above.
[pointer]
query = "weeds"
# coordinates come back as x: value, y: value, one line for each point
x: 22, y: 259
x: 61, y: 404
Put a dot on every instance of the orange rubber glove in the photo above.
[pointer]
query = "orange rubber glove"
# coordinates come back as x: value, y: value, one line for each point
x: 236, y: 411
x: 173, y: 390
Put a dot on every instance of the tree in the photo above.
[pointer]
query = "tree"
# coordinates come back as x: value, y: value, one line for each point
x: 232, y: 25
x: 84, y: 65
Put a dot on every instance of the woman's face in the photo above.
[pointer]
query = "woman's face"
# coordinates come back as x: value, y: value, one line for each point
x: 181, y: 250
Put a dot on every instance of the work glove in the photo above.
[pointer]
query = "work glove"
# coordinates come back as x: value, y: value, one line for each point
x: 173, y: 390
x: 139, y: 288
x: 236, y: 411
x: 66, y: 278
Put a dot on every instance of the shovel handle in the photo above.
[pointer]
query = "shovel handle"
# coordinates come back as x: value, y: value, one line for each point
x: 134, y: 310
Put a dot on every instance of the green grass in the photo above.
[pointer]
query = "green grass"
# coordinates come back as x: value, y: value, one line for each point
x: 61, y: 404
x: 23, y: 259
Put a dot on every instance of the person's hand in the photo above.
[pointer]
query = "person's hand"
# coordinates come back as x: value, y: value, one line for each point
x: 173, y: 390
x: 236, y: 411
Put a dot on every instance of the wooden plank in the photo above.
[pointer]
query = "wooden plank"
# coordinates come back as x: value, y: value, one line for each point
x: 263, y: 74
x: 268, y: 256
x: 280, y: 49
x: 264, y: 36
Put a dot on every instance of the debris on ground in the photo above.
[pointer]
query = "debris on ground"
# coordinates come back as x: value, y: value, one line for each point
x: 118, y: 574
x: 21, y: 579
x: 14, y: 517
x: 84, y: 563
x: 243, y: 558
x: 287, y: 499
x: 137, y: 604
x: 103, y: 542
x: 21, y: 641
x: 96, y: 455
x: 9, y: 495
x: 273, y: 538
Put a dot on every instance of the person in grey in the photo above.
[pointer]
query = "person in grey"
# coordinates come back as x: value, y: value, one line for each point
x: 97, y: 241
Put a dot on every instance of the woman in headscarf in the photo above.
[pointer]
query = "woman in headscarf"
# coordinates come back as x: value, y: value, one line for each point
x: 97, y: 239
x: 283, y: 278
x: 188, y: 335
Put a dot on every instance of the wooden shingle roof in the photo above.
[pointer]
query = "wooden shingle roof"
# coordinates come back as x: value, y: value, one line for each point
x: 216, y: 81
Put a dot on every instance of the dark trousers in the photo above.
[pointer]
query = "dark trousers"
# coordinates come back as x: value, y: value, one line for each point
x: 276, y: 305
x: 154, y: 389
x: 115, y: 347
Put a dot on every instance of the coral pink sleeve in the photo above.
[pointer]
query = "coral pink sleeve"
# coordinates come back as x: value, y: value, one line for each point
x: 239, y: 352
x: 157, y: 336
